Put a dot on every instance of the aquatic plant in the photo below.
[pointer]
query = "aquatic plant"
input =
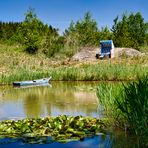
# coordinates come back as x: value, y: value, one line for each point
x: 107, y: 93
x: 133, y: 103
x: 126, y: 105
x: 62, y: 128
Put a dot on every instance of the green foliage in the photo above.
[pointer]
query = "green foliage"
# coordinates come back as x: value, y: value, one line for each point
x: 82, y: 33
x: 8, y: 30
x: 105, y: 34
x: 30, y: 32
x: 126, y: 106
x: 130, y: 31
x: 33, y: 35
x: 137, y: 28
x: 146, y: 37
x: 53, y: 43
x: 87, y: 30
x: 71, y: 41
x: 133, y: 103
x: 61, y: 128
x: 107, y: 93
x: 121, y: 32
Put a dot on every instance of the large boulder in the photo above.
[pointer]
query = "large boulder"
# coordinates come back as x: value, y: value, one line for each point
x: 89, y: 53
x: 128, y: 52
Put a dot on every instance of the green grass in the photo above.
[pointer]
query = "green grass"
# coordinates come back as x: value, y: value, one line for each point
x: 126, y: 105
x: 16, y: 65
x: 133, y: 103
x: 107, y: 93
x: 85, y: 72
x: 100, y: 71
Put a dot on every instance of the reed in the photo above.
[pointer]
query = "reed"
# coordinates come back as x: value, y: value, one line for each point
x: 85, y: 72
x: 133, y: 103
x: 107, y: 93
x: 22, y: 74
x: 99, y: 71
x: 127, y: 105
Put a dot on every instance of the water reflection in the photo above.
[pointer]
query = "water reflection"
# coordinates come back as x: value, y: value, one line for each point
x: 32, y: 105
x: 62, y: 98
x: 91, y: 142
x: 98, y: 141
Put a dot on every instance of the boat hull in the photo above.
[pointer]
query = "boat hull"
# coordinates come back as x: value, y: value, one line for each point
x: 33, y: 82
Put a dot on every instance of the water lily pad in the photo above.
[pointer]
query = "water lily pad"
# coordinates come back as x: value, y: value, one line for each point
x: 62, y: 128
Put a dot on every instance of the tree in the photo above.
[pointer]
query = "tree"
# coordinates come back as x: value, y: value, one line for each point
x: 121, y: 32
x: 137, y: 29
x: 105, y: 34
x: 82, y: 33
x: 146, y: 36
x: 130, y: 31
x: 52, y: 43
x: 87, y: 30
x: 30, y: 32
x: 8, y: 30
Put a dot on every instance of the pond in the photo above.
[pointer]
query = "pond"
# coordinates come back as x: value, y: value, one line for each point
x: 52, y: 100
x: 68, y: 98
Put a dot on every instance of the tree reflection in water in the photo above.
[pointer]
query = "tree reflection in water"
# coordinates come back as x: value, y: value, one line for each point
x: 62, y: 98
x: 32, y: 105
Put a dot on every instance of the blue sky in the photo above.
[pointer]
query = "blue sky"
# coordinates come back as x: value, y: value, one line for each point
x: 59, y: 13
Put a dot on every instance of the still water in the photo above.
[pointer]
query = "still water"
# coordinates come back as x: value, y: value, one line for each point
x: 52, y: 100
x: 69, y: 98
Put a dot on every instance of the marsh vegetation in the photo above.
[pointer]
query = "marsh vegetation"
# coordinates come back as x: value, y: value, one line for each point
x: 126, y: 106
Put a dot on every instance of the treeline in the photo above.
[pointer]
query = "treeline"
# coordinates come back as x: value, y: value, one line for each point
x: 34, y: 35
x: 130, y: 31
x: 8, y: 29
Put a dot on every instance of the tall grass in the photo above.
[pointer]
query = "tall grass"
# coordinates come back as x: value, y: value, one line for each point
x: 127, y: 104
x: 21, y: 75
x: 85, y: 72
x: 133, y: 103
x: 99, y: 71
x: 107, y: 93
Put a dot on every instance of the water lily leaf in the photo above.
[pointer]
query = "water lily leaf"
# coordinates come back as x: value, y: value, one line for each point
x: 60, y: 128
x: 70, y: 130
